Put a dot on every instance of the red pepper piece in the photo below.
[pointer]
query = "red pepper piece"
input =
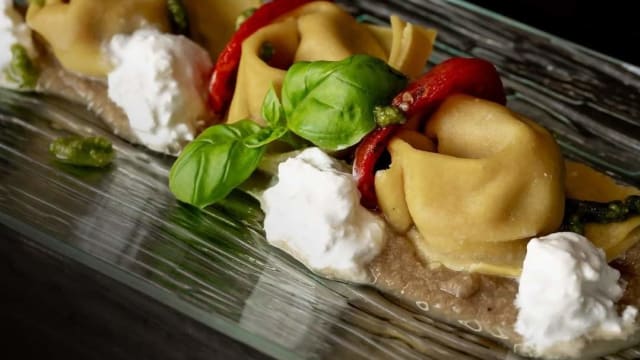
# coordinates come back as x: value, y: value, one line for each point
x: 367, y: 155
x: 223, y: 79
x: 475, y: 77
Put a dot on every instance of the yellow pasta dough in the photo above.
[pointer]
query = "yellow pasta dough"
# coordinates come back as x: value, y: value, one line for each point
x: 584, y: 183
x: 212, y: 22
x: 321, y: 31
x: 496, y: 181
x: 77, y: 30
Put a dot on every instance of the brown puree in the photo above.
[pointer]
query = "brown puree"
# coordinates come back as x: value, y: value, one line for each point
x: 480, y: 303
x: 54, y: 80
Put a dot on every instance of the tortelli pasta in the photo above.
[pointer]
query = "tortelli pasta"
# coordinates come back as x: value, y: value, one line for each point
x: 584, y: 183
x: 470, y: 191
x: 212, y: 22
x: 77, y: 30
x: 321, y: 31
x: 496, y: 180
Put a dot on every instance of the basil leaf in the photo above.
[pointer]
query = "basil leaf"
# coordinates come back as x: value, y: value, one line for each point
x: 331, y: 103
x: 215, y: 163
x: 264, y: 137
x: 272, y: 110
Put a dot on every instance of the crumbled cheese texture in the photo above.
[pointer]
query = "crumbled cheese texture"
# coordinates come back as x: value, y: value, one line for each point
x: 567, y: 295
x: 13, y: 30
x: 314, y: 214
x: 160, y: 81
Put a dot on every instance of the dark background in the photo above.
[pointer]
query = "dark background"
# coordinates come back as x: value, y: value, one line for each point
x: 610, y: 27
x: 82, y: 315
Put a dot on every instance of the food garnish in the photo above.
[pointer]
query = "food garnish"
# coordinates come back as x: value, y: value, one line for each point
x: 22, y: 71
x: 388, y: 115
x: 331, y: 103
x: 471, y: 76
x: 179, y: 17
x: 95, y: 151
x: 580, y: 212
x: 215, y: 163
x: 366, y: 158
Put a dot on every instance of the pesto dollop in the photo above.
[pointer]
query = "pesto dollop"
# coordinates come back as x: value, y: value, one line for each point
x: 581, y: 212
x: 21, y: 70
x: 83, y: 151
x: 178, y: 16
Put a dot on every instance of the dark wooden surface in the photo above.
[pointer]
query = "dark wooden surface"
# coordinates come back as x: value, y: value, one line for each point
x: 610, y: 27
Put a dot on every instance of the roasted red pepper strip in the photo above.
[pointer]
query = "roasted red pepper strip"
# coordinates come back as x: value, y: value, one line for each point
x: 367, y: 155
x: 475, y: 77
x: 223, y: 79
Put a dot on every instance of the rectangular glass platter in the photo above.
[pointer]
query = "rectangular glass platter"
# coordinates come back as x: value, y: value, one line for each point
x: 124, y: 222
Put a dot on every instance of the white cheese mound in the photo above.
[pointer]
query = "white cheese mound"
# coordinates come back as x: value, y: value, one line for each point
x: 160, y: 81
x: 567, y: 295
x: 314, y: 214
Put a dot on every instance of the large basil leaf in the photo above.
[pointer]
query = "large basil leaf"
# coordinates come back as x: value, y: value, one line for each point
x: 331, y: 103
x: 215, y: 163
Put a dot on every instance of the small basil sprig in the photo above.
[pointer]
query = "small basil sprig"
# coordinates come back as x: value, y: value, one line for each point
x: 273, y: 114
x: 215, y: 163
x: 226, y: 155
x: 331, y: 103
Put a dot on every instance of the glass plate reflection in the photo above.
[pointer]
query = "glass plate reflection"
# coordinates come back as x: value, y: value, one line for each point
x: 123, y: 221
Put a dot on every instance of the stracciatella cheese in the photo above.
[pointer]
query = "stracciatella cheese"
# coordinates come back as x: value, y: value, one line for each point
x: 160, y: 81
x: 567, y: 295
x: 13, y: 31
x: 314, y: 214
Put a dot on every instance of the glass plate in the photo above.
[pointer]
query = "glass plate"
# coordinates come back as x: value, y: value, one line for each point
x: 124, y: 222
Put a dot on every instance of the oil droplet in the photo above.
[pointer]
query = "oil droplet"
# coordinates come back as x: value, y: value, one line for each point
x: 422, y: 305
x: 472, y: 325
